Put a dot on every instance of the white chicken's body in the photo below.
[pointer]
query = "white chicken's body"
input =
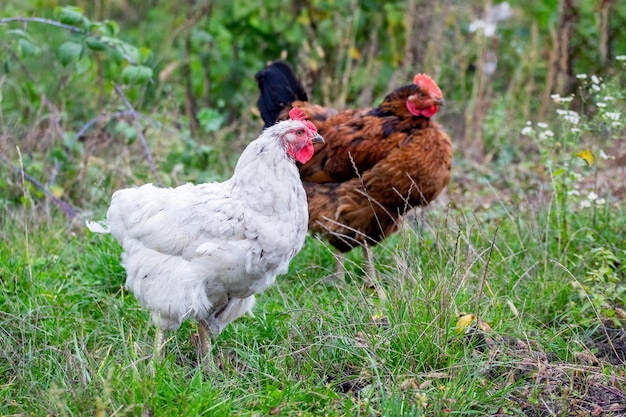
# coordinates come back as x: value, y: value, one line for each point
x: 203, y: 251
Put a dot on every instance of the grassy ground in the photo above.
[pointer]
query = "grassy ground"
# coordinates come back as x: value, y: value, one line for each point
x: 74, y: 342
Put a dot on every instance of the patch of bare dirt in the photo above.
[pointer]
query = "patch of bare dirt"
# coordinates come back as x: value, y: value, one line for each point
x: 610, y: 344
x: 542, y: 386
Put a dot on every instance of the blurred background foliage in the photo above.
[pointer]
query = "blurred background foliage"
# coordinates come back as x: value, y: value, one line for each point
x: 498, y: 63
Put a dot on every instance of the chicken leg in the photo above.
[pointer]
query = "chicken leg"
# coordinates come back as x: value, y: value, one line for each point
x: 370, y: 270
x: 204, y: 334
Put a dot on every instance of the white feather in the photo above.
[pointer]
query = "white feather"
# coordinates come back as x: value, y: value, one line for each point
x: 203, y: 251
x: 97, y: 227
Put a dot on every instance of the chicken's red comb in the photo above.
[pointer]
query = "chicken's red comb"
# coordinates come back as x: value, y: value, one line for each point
x: 297, y: 114
x: 426, y: 83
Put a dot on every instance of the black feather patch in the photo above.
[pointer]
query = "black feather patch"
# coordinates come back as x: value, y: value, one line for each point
x: 279, y: 87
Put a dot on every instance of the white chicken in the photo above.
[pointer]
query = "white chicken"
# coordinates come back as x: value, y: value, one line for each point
x: 204, y: 251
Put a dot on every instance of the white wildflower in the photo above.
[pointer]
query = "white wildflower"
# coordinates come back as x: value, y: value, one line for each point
x: 527, y: 131
x: 585, y: 204
x: 592, y: 196
x: 569, y: 116
x: 609, y: 98
x: 601, y: 104
x: 575, y: 130
x: 542, y: 125
x: 621, y: 58
x: 604, y: 156
x: 595, y: 79
x: 581, y: 76
x: 529, y: 123
x: 595, y: 87
x: 611, y: 115
x: 573, y: 192
x: 546, y: 134
x: 558, y: 99
x: 600, y: 201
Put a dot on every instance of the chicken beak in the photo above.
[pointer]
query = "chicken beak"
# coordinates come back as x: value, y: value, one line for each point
x: 439, y: 101
x: 317, y: 139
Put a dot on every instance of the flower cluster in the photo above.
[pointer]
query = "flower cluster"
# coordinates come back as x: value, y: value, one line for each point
x: 600, y: 109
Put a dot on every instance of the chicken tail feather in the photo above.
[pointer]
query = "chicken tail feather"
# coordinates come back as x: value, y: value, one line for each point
x: 279, y: 87
x: 98, y: 227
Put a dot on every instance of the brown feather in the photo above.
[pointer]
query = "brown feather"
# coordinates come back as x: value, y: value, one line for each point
x: 376, y: 164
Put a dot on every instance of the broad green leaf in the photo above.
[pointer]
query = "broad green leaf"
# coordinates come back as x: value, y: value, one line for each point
x: 69, y: 52
x: 113, y: 27
x: 26, y: 47
x: 86, y: 24
x: 70, y: 15
x: 95, y: 44
x: 136, y: 74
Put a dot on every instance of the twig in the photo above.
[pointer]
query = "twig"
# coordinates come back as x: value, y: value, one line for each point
x: 484, y: 278
x: 67, y: 209
x: 135, y: 116
x: 96, y: 119
x: 41, y: 20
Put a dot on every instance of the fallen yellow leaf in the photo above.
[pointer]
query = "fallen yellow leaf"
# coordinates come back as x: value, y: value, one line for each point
x: 464, y: 322
x: 586, y: 155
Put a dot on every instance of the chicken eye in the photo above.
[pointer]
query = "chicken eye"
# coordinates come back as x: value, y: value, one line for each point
x: 299, y: 132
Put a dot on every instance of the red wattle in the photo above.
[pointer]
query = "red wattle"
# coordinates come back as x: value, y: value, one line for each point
x: 427, y: 112
x: 305, y: 153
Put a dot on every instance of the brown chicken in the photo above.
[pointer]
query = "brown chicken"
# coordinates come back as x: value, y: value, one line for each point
x: 377, y: 163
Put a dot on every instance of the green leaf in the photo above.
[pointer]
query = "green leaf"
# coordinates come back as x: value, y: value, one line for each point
x: 69, y: 52
x: 86, y: 24
x: 210, y: 119
x: 145, y: 53
x: 95, y: 44
x: 26, y: 47
x: 70, y: 15
x: 132, y: 53
x: 113, y: 27
x: 136, y: 74
x: 20, y: 33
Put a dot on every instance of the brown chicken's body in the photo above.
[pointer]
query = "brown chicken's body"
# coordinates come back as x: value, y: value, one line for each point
x: 377, y: 163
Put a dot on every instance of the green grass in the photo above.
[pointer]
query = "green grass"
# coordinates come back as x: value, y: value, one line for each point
x: 74, y: 342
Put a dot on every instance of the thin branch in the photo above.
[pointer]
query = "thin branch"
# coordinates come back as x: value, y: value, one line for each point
x: 67, y: 209
x: 135, y: 116
x: 67, y: 27
x: 96, y: 119
x: 41, y: 20
x: 484, y: 278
